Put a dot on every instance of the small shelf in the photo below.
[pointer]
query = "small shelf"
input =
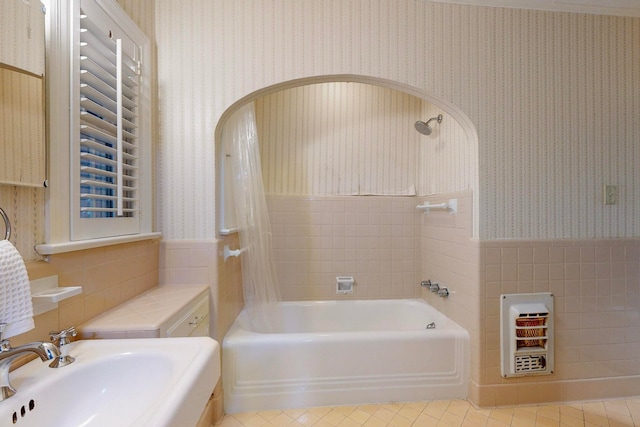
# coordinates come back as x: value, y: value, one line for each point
x: 45, y: 294
x: 56, y: 294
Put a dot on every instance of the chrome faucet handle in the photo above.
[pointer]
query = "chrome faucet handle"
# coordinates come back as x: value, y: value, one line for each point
x: 63, y: 336
x: 433, y: 286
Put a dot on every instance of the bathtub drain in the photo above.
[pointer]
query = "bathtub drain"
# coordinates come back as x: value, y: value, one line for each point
x: 431, y: 325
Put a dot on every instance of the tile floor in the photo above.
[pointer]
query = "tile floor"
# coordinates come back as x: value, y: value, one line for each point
x: 612, y: 413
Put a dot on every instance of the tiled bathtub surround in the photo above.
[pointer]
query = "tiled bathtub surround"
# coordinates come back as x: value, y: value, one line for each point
x: 389, y: 248
x: 450, y: 257
x: 596, y: 287
x: 374, y: 239
x: 387, y: 245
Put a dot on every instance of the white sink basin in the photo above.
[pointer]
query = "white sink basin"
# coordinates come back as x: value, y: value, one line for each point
x: 158, y: 382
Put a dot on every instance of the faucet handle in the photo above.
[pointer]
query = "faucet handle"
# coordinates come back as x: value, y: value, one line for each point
x: 4, y: 343
x: 63, y: 335
x: 432, y: 286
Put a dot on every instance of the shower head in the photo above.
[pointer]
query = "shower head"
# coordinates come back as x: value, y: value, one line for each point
x: 424, y: 128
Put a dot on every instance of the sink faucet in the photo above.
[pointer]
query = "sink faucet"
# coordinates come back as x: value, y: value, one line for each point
x: 45, y: 350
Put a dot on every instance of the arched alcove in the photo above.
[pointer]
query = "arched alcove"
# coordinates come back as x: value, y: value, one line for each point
x: 319, y: 236
x: 444, y: 157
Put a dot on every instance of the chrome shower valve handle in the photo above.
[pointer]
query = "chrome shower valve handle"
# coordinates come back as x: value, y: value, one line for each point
x: 443, y: 292
x: 432, y: 286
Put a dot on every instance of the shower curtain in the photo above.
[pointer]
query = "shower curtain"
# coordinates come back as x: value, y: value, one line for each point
x: 258, y: 272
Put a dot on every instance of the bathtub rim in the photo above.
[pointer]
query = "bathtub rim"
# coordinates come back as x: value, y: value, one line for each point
x: 443, y: 322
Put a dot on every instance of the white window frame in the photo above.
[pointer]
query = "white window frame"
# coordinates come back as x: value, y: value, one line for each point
x: 65, y: 230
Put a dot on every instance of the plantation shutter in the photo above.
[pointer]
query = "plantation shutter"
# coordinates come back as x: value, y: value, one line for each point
x: 107, y: 185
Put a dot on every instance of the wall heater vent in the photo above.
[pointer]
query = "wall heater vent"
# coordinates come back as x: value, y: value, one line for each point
x: 526, y: 334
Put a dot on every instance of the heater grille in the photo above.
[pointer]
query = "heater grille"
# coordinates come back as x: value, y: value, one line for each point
x: 531, y: 330
x: 529, y: 363
x: 526, y: 334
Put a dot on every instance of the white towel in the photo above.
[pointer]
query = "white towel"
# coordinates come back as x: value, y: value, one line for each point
x: 16, y: 308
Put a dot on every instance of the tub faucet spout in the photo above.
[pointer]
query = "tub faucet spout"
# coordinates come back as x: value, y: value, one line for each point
x: 44, y: 350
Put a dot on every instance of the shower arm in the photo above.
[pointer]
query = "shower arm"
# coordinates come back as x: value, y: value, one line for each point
x: 438, y: 118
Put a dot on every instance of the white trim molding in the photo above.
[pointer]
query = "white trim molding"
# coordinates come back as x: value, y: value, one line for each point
x: 59, y: 248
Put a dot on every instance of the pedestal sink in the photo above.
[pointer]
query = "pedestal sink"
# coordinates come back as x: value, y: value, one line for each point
x: 158, y: 382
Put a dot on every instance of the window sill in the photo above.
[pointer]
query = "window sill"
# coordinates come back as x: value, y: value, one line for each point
x: 59, y: 248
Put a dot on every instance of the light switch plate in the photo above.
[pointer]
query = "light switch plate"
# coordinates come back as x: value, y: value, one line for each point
x: 610, y: 194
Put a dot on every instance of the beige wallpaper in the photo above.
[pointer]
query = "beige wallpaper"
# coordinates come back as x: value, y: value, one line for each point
x: 358, y: 139
x: 553, y: 97
x: 22, y: 140
x: 339, y: 138
x: 22, y: 41
x: 25, y: 209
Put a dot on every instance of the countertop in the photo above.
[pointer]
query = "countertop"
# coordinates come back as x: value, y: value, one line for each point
x: 146, y: 316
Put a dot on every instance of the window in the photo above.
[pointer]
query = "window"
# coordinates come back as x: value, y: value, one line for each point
x: 98, y: 96
x: 106, y: 140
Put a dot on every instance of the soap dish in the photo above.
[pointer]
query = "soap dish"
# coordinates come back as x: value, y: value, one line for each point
x: 56, y: 294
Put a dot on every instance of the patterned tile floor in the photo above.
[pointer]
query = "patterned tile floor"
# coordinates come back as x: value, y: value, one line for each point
x: 612, y: 413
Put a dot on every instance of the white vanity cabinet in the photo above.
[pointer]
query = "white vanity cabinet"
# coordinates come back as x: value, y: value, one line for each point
x: 195, y: 322
x: 165, y: 311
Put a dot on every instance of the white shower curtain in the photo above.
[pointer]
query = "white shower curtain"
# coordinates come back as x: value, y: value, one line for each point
x: 258, y: 272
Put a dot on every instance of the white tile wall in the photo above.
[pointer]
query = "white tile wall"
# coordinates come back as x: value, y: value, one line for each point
x: 373, y: 239
x: 596, y: 287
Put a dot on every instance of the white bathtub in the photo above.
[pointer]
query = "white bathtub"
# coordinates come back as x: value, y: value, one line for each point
x: 344, y: 353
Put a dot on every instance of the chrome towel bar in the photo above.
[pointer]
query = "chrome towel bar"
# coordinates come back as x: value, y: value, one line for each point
x: 451, y: 206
